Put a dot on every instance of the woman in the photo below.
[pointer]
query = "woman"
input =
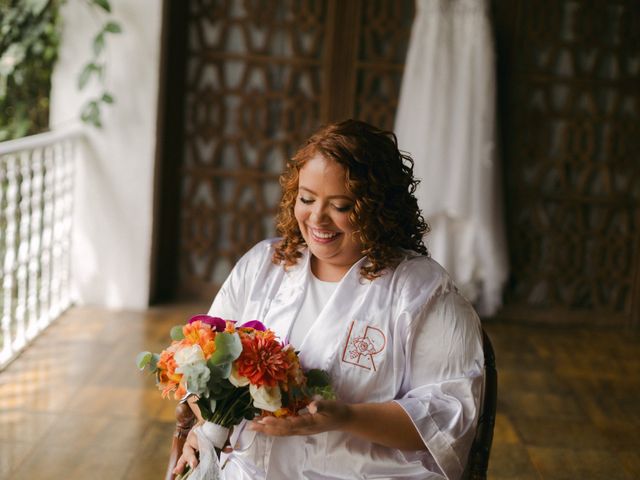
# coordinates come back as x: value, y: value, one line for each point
x: 351, y: 286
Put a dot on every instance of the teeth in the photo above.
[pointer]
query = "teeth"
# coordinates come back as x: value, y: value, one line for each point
x: 324, y: 235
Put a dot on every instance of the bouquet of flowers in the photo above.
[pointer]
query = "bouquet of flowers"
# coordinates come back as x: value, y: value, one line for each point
x: 234, y: 371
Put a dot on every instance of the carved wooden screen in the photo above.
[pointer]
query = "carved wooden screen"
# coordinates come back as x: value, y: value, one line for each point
x: 260, y: 77
x: 570, y: 96
x: 385, y: 28
x: 253, y: 92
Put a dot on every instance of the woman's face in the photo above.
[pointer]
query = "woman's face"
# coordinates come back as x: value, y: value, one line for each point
x: 322, y: 210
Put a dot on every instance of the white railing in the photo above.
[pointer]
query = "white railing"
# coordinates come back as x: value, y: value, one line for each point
x: 36, y: 208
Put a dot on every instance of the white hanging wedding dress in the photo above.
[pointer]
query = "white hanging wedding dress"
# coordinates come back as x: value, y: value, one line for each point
x: 446, y: 121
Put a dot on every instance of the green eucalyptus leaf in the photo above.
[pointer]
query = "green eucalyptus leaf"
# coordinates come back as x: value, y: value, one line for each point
x: 91, y: 114
x: 153, y: 364
x: 143, y: 359
x: 228, y: 348
x: 107, y: 98
x: 98, y: 44
x: 88, y: 70
x: 112, y: 27
x: 104, y: 4
x: 177, y: 333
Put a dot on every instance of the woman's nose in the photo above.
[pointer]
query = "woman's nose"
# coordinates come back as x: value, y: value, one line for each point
x: 318, y: 212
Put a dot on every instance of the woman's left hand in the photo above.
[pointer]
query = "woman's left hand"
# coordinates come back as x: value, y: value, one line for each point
x: 324, y: 415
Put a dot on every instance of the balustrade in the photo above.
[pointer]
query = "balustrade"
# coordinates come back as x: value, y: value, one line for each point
x: 36, y: 209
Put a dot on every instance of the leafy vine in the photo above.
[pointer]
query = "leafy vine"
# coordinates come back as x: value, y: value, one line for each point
x: 30, y: 33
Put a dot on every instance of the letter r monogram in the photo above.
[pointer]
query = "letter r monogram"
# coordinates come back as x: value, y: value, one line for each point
x: 359, y: 350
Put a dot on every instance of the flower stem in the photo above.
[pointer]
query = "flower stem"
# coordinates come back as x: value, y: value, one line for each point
x: 226, y: 416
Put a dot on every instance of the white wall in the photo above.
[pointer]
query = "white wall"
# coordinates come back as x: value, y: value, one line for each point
x: 114, y: 186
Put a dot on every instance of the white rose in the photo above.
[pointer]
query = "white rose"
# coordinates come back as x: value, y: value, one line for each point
x: 266, y: 398
x: 236, y: 379
x: 188, y: 356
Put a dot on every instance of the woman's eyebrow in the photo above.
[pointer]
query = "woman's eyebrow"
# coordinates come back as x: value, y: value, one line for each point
x: 330, y: 196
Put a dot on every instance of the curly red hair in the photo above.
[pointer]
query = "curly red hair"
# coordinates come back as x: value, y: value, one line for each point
x: 380, y: 177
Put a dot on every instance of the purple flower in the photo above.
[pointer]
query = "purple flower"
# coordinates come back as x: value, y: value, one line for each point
x: 217, y: 324
x: 255, y: 324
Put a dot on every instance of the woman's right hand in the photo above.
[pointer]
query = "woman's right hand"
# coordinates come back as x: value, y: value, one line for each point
x: 189, y: 453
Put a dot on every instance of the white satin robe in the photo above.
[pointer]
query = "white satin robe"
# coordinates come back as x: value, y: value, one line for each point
x: 407, y: 336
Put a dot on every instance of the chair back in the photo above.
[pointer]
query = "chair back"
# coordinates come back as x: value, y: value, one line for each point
x: 478, y: 461
x: 185, y: 418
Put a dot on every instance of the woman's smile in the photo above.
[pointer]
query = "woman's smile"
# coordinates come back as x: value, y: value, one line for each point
x: 323, y: 236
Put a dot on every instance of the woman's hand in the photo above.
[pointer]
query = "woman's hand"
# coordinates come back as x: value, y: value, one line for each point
x: 324, y: 415
x: 189, y: 453
x: 382, y: 423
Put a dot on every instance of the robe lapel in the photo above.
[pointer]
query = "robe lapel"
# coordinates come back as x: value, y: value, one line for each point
x: 320, y: 346
x: 287, y: 302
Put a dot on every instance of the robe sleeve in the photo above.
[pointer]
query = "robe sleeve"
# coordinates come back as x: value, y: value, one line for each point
x: 443, y: 380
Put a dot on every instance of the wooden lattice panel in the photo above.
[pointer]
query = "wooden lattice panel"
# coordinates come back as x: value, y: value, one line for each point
x: 385, y: 29
x: 572, y: 141
x: 253, y: 92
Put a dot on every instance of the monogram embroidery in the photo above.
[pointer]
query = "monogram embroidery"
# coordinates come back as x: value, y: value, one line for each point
x: 360, y: 350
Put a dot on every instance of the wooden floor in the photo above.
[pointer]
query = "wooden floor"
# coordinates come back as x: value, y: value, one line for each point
x: 74, y: 406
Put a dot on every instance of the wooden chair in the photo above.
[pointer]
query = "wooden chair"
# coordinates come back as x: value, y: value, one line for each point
x: 185, y: 419
x: 478, y: 461
x: 477, y: 464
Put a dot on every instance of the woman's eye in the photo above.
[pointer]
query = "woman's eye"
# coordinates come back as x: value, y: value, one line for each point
x: 343, y: 209
x: 306, y: 201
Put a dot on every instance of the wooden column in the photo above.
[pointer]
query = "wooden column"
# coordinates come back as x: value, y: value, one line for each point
x: 340, y: 54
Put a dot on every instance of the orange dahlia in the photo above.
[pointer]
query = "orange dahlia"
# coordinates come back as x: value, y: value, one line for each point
x: 263, y: 360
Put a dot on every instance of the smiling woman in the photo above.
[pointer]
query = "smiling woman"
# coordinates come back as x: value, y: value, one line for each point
x: 351, y: 286
x: 322, y: 211
x: 371, y: 183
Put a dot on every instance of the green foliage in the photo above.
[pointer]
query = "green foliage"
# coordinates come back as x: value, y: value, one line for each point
x: 176, y: 333
x: 30, y: 32
x: 143, y: 359
x: 228, y: 348
x: 91, y: 112
x: 29, y: 39
x: 148, y: 360
x: 319, y: 385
